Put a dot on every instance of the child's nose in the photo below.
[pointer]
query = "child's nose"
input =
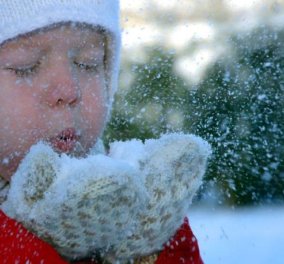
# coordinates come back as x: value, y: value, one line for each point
x: 63, y: 88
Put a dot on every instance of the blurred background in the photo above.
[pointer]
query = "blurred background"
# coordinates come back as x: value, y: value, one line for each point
x: 214, y: 68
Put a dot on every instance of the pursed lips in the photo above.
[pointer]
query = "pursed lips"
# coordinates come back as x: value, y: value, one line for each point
x: 65, y: 141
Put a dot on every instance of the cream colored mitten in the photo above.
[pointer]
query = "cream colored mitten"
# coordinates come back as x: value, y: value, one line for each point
x: 171, y: 168
x: 77, y: 205
x: 125, y: 205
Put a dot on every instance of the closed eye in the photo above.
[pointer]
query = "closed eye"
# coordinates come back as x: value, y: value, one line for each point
x: 86, y: 67
x: 25, y: 71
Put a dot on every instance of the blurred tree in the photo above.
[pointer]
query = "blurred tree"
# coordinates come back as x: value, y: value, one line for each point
x: 238, y: 108
x: 156, y: 92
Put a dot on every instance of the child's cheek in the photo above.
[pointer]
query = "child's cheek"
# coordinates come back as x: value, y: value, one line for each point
x: 19, y: 123
x: 93, y: 110
x: 17, y: 135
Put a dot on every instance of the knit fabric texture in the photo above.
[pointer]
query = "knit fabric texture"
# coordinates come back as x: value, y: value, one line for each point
x: 71, y: 202
x: 4, y: 188
x: 17, y: 245
x: 147, y: 260
x: 24, y: 16
x: 171, y: 169
x: 125, y: 205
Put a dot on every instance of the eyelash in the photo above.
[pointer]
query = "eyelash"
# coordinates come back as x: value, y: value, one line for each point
x: 26, y: 72
x: 86, y: 67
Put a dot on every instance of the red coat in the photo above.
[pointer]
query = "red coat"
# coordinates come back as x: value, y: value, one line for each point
x: 18, y: 245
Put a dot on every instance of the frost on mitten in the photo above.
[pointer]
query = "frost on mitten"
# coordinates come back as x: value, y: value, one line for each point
x: 77, y: 205
x: 171, y: 168
x: 124, y: 205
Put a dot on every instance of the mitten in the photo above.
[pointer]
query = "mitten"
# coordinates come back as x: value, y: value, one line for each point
x: 125, y: 205
x: 77, y: 205
x: 171, y: 168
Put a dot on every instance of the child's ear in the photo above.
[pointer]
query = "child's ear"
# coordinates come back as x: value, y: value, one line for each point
x: 41, y: 165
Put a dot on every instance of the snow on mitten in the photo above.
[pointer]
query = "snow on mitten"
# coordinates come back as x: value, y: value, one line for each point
x: 172, y: 168
x: 77, y: 205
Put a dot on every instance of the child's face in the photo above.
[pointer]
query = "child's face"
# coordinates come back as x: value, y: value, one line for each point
x: 52, y: 88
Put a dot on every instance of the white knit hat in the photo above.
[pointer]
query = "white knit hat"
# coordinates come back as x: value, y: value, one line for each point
x: 23, y: 16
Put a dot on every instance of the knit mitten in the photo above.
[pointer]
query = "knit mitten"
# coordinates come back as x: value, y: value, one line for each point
x: 171, y: 168
x: 125, y: 205
x: 77, y: 205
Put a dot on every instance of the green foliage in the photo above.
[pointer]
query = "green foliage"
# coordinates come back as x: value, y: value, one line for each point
x: 155, y: 93
x: 238, y: 108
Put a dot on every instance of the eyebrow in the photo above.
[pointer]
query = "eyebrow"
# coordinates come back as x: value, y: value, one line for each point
x: 21, y: 45
x: 21, y: 56
x: 25, y: 44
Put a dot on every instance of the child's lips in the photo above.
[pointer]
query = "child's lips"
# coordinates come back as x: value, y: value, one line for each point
x: 65, y: 141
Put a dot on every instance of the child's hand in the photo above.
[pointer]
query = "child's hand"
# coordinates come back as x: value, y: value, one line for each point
x: 171, y: 168
x: 77, y: 205
x: 126, y: 205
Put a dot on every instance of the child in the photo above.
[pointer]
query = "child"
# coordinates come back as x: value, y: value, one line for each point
x: 58, y: 75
